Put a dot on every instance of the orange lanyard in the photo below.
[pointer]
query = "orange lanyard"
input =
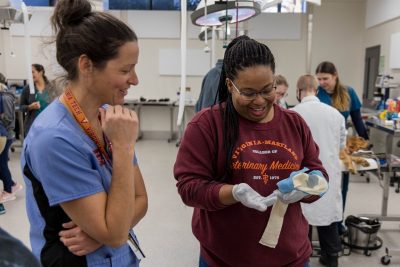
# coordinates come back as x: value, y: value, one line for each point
x: 80, y: 117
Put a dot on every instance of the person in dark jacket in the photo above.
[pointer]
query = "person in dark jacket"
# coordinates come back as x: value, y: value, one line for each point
x: 7, y: 124
x: 33, y: 104
x: 209, y: 87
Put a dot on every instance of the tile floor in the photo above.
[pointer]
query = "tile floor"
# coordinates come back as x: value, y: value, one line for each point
x: 165, y: 232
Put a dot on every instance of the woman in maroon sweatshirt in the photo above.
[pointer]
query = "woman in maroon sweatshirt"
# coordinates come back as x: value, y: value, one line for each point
x: 231, y: 157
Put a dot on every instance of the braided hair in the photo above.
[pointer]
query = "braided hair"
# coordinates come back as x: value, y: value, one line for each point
x: 241, y: 53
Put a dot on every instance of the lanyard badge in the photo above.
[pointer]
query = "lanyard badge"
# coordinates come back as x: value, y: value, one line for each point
x: 134, y: 245
x: 80, y: 117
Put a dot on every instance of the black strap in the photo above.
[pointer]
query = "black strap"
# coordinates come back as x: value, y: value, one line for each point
x: 54, y: 253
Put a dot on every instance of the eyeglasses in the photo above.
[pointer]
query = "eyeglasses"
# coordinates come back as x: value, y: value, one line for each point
x: 251, y: 95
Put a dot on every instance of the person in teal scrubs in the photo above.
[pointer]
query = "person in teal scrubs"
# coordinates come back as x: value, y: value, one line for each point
x: 344, y: 98
x: 34, y: 104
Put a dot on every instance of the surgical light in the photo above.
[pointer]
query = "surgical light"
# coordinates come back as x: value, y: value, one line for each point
x: 236, y: 10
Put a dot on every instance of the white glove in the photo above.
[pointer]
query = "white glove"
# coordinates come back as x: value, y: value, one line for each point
x: 290, y: 197
x: 251, y: 199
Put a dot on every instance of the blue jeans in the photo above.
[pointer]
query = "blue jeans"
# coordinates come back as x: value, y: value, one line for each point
x: 345, y: 188
x: 203, y: 263
x: 5, y: 174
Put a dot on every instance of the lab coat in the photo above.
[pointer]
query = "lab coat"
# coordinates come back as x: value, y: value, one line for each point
x: 327, y: 126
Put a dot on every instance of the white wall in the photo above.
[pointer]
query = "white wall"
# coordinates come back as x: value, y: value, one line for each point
x: 41, y: 53
x: 338, y: 36
x: 381, y: 11
x: 290, y: 59
x: 380, y: 35
x: 2, y: 52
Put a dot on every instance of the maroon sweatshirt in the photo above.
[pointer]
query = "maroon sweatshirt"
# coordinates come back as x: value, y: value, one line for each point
x: 265, y: 153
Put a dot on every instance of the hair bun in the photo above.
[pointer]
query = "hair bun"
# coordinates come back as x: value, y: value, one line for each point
x: 70, y: 12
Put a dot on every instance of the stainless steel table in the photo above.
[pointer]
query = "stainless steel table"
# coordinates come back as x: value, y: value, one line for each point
x: 392, y: 165
x: 137, y: 106
x: 377, y: 124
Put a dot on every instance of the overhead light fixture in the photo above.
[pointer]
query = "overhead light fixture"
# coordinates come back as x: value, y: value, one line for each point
x: 205, y: 32
x: 217, y: 11
x: 217, y: 30
x: 9, y: 15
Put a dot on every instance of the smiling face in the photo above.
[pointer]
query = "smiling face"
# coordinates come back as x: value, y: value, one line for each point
x: 281, y: 92
x: 327, y: 81
x: 111, y: 83
x: 36, y: 75
x: 255, y: 79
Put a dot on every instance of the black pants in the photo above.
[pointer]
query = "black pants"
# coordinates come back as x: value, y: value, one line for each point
x: 329, y: 239
x: 345, y: 187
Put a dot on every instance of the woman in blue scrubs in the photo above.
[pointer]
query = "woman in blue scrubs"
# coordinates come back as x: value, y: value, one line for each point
x: 344, y: 98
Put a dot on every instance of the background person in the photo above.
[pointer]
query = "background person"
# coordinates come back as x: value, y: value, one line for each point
x: 3, y: 129
x: 282, y: 87
x: 231, y: 158
x: 3, y: 135
x: 209, y: 88
x: 33, y: 104
x: 85, y: 191
x: 7, y: 124
x: 344, y: 98
x: 329, y: 132
x: 332, y: 92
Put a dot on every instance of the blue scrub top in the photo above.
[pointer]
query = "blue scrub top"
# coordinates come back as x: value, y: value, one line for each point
x: 61, y: 163
x: 354, y: 104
